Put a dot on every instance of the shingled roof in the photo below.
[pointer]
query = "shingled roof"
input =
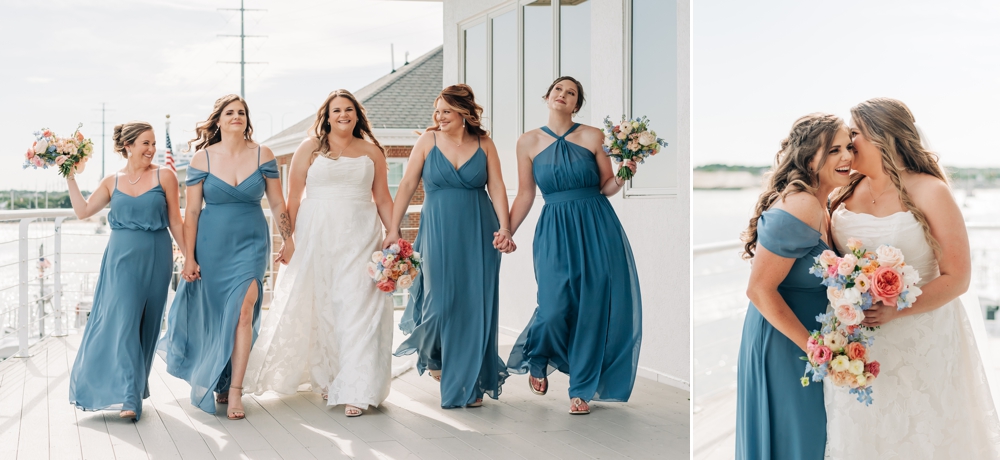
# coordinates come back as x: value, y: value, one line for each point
x: 403, y: 99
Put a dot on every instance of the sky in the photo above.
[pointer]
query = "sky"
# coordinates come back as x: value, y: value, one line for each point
x: 145, y: 59
x: 757, y: 66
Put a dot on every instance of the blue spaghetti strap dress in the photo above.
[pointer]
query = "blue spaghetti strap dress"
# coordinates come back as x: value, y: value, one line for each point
x: 111, y: 370
x: 232, y: 248
x: 776, y: 417
x: 588, y: 322
x: 451, y: 317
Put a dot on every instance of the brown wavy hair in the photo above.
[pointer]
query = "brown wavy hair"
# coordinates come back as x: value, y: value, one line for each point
x: 321, y: 127
x: 125, y: 134
x: 463, y: 101
x: 579, y: 86
x: 207, y: 132
x: 791, y: 173
x: 889, y: 125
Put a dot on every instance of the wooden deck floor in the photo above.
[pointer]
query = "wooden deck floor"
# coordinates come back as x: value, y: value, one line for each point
x: 37, y: 422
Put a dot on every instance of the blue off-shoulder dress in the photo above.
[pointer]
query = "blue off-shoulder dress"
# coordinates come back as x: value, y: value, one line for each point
x: 232, y: 249
x: 451, y: 317
x: 588, y: 322
x: 112, y: 366
x: 776, y: 417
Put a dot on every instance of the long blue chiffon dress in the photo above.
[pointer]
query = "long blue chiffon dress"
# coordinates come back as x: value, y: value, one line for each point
x: 111, y: 370
x: 451, y: 316
x: 232, y: 248
x: 776, y: 417
x: 588, y: 322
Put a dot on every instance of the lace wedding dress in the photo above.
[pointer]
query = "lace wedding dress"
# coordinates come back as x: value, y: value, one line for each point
x: 328, y: 326
x: 931, y: 399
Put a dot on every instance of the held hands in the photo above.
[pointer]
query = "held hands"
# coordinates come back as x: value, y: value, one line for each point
x: 286, y: 251
x: 879, y: 314
x: 503, y: 242
x: 191, y: 270
x: 390, y: 239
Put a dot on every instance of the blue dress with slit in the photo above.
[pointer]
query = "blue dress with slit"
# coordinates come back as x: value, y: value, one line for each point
x: 232, y: 248
x: 111, y: 370
x: 451, y: 317
x: 588, y: 322
x: 776, y: 417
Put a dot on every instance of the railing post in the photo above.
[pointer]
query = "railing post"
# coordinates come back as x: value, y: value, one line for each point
x: 57, y: 307
x: 23, y: 314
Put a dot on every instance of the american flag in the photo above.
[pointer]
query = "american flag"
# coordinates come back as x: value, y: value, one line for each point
x: 169, y: 153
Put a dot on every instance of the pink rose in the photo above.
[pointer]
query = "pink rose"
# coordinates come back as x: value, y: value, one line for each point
x: 822, y: 354
x: 832, y: 270
x: 828, y: 258
x: 848, y: 315
x: 61, y: 159
x: 811, y: 344
x: 30, y: 154
x: 37, y: 160
x: 886, y: 285
x: 855, y: 350
x: 846, y: 265
x: 872, y: 368
x: 386, y: 285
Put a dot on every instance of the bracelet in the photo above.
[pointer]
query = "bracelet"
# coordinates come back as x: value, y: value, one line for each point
x: 619, y: 184
x: 71, y: 177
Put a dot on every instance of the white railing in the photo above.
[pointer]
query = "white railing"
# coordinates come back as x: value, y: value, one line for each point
x: 719, y: 304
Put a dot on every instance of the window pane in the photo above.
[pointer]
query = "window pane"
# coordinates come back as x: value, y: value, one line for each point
x: 504, y: 97
x: 538, y: 63
x: 574, y: 47
x: 395, y: 175
x: 654, y: 85
x: 475, y: 62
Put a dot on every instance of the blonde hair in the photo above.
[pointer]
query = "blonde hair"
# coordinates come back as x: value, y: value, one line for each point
x: 207, y: 132
x: 889, y: 125
x: 321, y: 127
x: 125, y: 135
x: 463, y: 101
x: 791, y: 172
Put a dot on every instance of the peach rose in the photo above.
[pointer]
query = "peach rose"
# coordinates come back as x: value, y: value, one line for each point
x: 846, y: 265
x: 873, y: 368
x: 890, y: 256
x: 828, y: 258
x: 386, y: 285
x: 404, y: 282
x: 405, y: 248
x: 835, y: 340
x: 371, y: 269
x: 856, y: 351
x: 377, y: 256
x: 854, y: 244
x: 841, y: 378
x: 886, y: 285
x: 833, y: 294
x: 848, y: 315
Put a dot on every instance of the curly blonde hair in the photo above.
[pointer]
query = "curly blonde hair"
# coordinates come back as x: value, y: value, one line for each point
x: 792, y: 172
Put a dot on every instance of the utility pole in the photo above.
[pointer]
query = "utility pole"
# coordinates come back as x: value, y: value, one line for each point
x: 104, y: 131
x: 392, y: 58
x: 242, y: 62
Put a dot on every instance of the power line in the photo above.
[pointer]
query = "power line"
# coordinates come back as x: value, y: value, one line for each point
x: 242, y: 62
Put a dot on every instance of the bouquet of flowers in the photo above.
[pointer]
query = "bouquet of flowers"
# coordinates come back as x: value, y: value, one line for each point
x: 630, y: 139
x: 394, y: 267
x: 853, y: 283
x: 62, y: 152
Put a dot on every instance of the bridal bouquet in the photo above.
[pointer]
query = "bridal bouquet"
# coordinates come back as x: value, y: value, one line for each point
x: 840, y: 352
x: 62, y: 152
x: 394, y: 267
x: 630, y: 139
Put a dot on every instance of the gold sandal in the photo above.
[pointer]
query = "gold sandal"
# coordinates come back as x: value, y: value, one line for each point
x: 236, y: 414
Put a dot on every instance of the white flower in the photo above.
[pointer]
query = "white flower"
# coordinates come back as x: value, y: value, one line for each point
x: 911, y: 294
x: 910, y: 275
x: 41, y: 146
x: 840, y: 363
x: 835, y: 340
x: 647, y: 138
x: 856, y: 367
x: 635, y: 125
x: 372, y: 269
x: 625, y: 128
x: 377, y: 256
x: 416, y: 256
x: 394, y: 248
x: 852, y: 296
x: 608, y: 141
x: 889, y: 256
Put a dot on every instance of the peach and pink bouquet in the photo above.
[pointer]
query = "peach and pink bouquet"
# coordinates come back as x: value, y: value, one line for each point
x: 630, y: 140
x: 62, y: 152
x: 839, y: 354
x: 395, y: 267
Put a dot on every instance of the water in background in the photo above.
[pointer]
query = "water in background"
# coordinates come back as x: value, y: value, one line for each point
x: 719, y: 279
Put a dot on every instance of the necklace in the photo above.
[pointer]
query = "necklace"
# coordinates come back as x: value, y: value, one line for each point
x: 460, y: 136
x: 872, y: 194
x: 130, y: 181
x: 341, y: 150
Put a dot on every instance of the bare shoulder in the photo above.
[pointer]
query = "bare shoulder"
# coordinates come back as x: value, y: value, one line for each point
x: 373, y: 152
x: 487, y: 141
x: 804, y: 206
x: 266, y: 154
x: 927, y: 190
x: 200, y: 160
x: 591, y: 132
x: 167, y: 176
x: 311, y: 143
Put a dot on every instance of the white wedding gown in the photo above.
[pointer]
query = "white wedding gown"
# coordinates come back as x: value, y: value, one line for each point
x: 931, y: 399
x: 328, y: 326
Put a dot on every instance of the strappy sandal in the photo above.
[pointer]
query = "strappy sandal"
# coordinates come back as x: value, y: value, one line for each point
x: 352, y: 411
x: 434, y: 376
x: 578, y: 406
x: 544, y: 381
x: 127, y: 414
x: 222, y: 398
x: 478, y: 403
x: 236, y: 414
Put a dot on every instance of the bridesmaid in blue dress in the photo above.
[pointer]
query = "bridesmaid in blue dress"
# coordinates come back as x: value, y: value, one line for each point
x: 111, y: 370
x: 451, y: 316
x: 777, y: 418
x: 216, y: 313
x: 588, y: 322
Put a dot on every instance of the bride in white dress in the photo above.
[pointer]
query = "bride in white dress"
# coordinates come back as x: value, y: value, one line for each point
x: 931, y: 399
x: 328, y: 326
